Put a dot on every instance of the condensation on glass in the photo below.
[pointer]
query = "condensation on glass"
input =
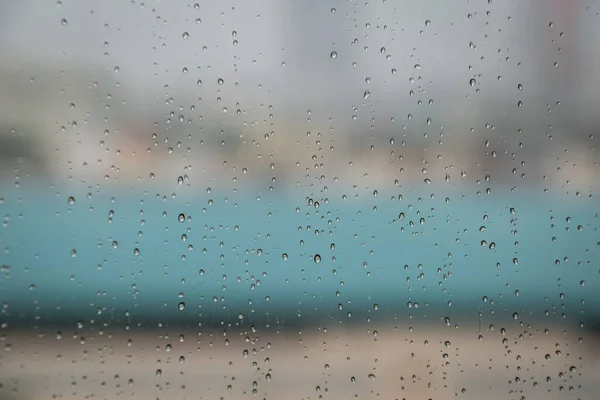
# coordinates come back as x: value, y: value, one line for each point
x: 284, y: 199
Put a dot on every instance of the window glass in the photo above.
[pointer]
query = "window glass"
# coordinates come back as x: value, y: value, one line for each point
x: 294, y: 199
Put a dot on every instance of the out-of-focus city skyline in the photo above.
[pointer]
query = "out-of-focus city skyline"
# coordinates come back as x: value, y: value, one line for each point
x: 401, y: 88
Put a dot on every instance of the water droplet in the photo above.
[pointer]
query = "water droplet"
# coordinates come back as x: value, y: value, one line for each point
x: 71, y: 200
x: 317, y: 258
x: 472, y: 82
x: 366, y: 94
x: 181, y: 306
x: 220, y: 81
x: 185, y: 35
x: 64, y: 22
x: 181, y: 217
x: 284, y: 256
x: 333, y: 55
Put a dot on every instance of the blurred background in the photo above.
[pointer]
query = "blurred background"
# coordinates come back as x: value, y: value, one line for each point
x: 283, y: 199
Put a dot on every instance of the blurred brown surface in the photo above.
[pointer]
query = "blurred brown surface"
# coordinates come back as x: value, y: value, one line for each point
x: 427, y: 363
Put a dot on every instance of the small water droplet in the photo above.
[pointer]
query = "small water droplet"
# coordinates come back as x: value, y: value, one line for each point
x: 317, y: 258
x: 333, y: 55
